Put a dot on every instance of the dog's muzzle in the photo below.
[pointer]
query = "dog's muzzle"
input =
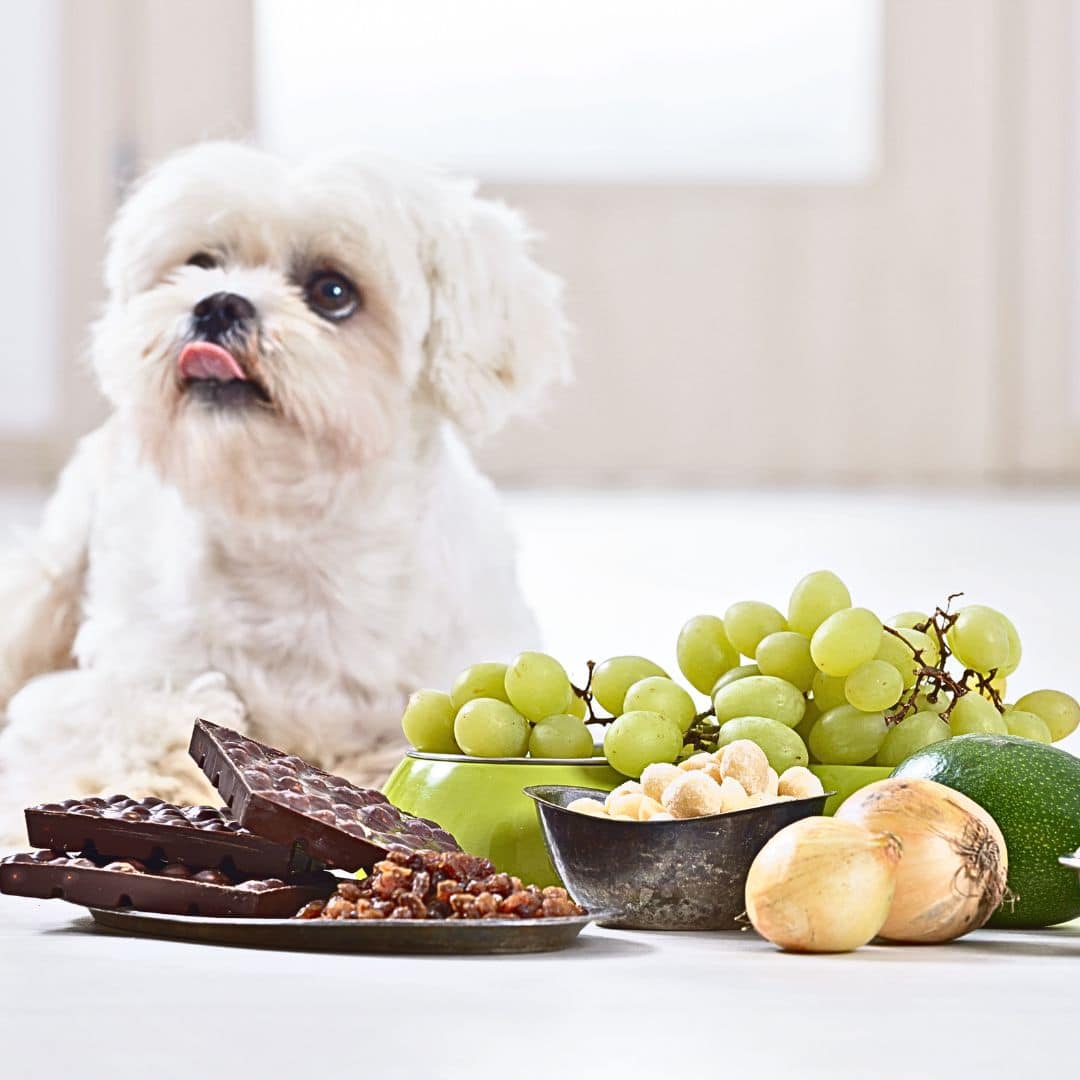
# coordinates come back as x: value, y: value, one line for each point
x: 208, y: 368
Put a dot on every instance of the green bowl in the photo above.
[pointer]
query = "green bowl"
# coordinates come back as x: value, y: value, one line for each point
x: 843, y: 780
x: 481, y: 802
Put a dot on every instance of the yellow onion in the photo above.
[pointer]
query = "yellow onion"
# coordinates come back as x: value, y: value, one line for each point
x: 822, y: 885
x: 952, y: 878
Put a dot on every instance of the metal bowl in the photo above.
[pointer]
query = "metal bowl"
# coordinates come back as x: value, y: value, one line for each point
x: 660, y: 875
x: 1071, y: 861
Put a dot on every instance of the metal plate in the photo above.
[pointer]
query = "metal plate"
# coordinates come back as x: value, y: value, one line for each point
x: 440, y: 937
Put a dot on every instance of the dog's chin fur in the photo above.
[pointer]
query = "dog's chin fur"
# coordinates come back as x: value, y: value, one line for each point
x: 292, y: 561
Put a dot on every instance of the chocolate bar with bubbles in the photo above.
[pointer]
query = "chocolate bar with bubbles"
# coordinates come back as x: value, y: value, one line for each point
x: 284, y: 798
x: 150, y: 828
x: 167, y: 889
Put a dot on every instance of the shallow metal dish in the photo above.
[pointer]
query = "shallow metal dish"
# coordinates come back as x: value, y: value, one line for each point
x: 440, y: 937
x: 660, y: 875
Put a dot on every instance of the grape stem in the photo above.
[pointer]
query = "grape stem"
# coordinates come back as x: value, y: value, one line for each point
x: 585, y: 693
x: 937, y: 678
x: 699, y: 728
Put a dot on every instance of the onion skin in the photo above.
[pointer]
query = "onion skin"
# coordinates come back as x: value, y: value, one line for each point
x: 822, y: 885
x: 952, y: 877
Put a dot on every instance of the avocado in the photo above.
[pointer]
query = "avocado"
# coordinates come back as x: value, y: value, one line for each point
x: 1033, y: 792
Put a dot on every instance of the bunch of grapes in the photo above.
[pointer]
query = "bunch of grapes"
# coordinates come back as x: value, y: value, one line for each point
x: 829, y: 683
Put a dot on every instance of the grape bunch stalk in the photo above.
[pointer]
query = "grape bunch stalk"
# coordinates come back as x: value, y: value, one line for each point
x: 829, y: 683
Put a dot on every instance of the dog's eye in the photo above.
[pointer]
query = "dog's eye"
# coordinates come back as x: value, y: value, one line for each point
x: 202, y: 259
x: 331, y: 295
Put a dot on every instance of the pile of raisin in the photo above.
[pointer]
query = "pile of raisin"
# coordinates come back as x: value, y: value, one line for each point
x: 439, y: 885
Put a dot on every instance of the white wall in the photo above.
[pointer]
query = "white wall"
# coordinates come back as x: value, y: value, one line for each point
x: 609, y: 91
x: 30, y: 284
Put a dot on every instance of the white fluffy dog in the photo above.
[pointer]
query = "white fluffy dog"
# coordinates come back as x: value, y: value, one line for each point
x: 278, y: 528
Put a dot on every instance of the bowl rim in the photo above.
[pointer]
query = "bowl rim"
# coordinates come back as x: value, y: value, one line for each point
x: 465, y: 759
x: 533, y: 793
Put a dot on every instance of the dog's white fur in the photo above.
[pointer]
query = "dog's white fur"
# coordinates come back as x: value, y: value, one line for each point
x: 292, y: 571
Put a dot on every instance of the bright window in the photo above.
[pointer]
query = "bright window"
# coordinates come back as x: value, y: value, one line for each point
x: 737, y: 91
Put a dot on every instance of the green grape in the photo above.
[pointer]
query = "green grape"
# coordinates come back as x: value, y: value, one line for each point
x: 806, y: 724
x: 814, y: 599
x: 909, y: 620
x: 744, y: 671
x: 845, y: 640
x: 893, y: 651
x: 782, y: 746
x: 786, y: 655
x: 900, y: 652
x: 760, y: 695
x: 931, y: 702
x: 487, y: 727
x: 1060, y: 712
x: 911, y: 734
x: 480, y: 680
x: 828, y: 692
x: 668, y: 698
x: 874, y: 686
x: 640, y: 738
x: 927, y: 644
x: 848, y: 736
x: 537, y: 685
x: 1016, y: 650
x: 974, y: 715
x: 577, y: 707
x: 562, y: 736
x: 979, y: 638
x: 612, y: 678
x: 748, y: 621
x: 1027, y: 725
x: 704, y: 652
x: 428, y: 722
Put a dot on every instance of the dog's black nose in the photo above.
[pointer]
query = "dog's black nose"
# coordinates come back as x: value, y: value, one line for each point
x: 221, y: 312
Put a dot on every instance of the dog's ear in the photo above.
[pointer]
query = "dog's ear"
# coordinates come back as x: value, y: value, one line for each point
x: 497, y: 335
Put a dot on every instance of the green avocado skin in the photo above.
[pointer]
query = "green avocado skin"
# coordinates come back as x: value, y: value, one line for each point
x: 1033, y: 792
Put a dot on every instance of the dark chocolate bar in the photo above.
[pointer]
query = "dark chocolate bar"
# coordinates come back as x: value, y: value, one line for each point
x: 130, y: 884
x: 282, y: 797
x: 149, y: 829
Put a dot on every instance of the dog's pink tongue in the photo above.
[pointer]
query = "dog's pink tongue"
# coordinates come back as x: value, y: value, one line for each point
x: 204, y: 360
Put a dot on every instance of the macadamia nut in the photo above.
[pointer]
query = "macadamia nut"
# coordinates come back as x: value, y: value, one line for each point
x: 733, y: 794
x: 696, y: 761
x: 746, y: 762
x: 588, y: 806
x: 772, y: 783
x: 656, y: 777
x: 694, y: 794
x: 630, y: 787
x: 800, y: 783
x: 761, y: 798
x: 705, y: 763
x: 626, y: 804
x: 650, y: 808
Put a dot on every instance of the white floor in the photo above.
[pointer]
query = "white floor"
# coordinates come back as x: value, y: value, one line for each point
x: 618, y: 573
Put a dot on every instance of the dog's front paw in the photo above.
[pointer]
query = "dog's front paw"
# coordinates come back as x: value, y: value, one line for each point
x: 213, y: 699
